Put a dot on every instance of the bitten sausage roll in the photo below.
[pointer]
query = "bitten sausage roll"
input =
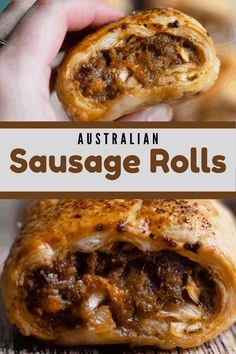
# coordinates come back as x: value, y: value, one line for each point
x: 218, y: 103
x: 215, y: 15
x: 141, y: 60
x: 152, y: 272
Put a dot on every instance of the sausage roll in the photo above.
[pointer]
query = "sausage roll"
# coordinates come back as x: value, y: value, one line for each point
x: 141, y: 60
x: 215, y: 15
x: 152, y: 272
x: 219, y: 103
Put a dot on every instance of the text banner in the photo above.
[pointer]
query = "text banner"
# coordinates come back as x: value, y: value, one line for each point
x: 128, y: 159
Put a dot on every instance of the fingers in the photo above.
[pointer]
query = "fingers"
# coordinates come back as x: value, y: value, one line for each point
x: 40, y: 33
x: 25, y: 61
x: 11, y: 16
x: 152, y: 114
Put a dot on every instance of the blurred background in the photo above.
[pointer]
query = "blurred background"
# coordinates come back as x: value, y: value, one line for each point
x: 219, y: 17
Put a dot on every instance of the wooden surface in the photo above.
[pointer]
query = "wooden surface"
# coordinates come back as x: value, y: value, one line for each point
x: 11, y: 342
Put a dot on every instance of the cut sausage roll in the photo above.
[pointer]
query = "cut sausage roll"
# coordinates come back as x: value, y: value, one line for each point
x: 218, y: 103
x: 152, y: 272
x: 139, y: 61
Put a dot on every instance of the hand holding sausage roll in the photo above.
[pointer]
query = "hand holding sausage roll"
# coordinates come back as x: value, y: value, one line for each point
x: 156, y: 272
x: 25, y: 94
x: 141, y: 60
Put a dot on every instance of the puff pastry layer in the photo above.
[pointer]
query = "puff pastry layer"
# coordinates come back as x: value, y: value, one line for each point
x: 218, y: 103
x: 158, y: 272
x: 148, y: 58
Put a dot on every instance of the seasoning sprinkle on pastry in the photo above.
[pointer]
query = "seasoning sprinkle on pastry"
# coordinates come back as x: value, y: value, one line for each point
x: 152, y: 272
x: 142, y: 60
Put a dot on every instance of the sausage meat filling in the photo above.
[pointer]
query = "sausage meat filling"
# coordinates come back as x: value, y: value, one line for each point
x: 122, y: 287
x: 139, y: 60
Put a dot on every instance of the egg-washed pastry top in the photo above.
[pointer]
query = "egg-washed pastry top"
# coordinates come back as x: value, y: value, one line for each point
x: 140, y: 272
x: 141, y: 60
x: 217, y: 16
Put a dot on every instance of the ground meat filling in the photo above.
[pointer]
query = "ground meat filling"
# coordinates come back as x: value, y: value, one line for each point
x: 121, y: 285
x: 139, y: 60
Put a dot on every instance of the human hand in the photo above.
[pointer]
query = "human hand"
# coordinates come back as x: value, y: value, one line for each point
x: 35, y: 32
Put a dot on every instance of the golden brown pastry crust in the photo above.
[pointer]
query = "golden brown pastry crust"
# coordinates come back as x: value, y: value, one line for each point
x: 219, y: 103
x: 217, y: 16
x: 133, y: 86
x: 203, y: 231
